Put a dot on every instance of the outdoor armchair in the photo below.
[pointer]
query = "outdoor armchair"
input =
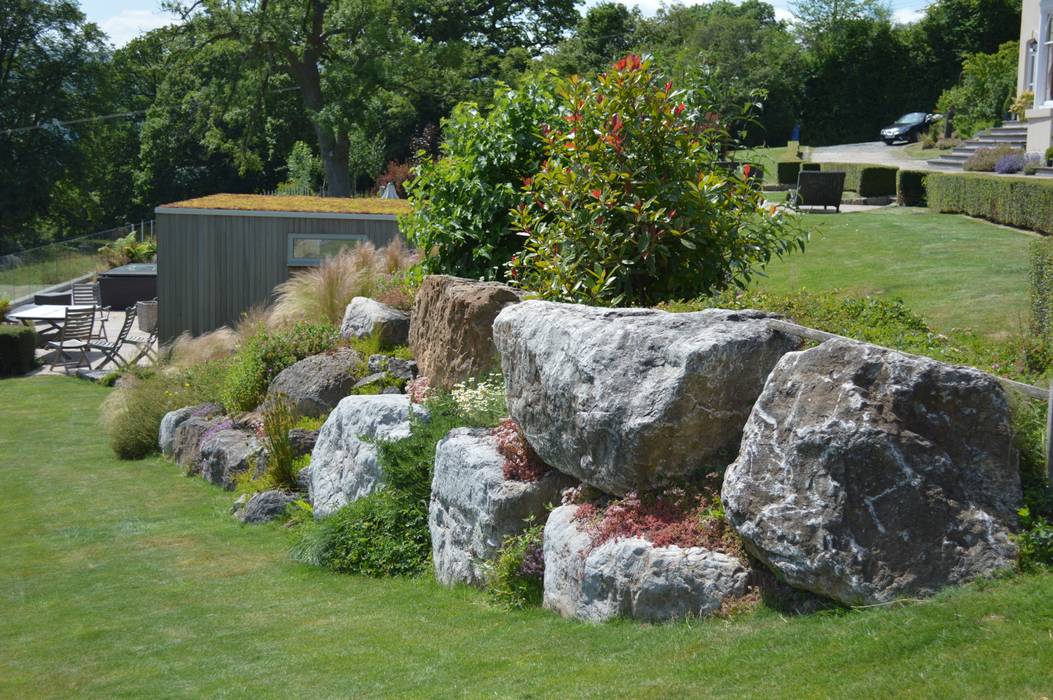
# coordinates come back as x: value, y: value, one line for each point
x: 818, y: 189
x: 74, y: 340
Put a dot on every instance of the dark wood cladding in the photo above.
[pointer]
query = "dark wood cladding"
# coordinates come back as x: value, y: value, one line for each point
x: 212, y: 266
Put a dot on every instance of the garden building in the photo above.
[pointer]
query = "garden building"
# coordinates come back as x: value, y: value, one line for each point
x: 1035, y: 71
x: 221, y: 255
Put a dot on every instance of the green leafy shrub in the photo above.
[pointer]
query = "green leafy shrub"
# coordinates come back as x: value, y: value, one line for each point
x: 910, y: 188
x: 1035, y: 540
x: 1048, y: 155
x: 787, y: 171
x: 17, y: 349
x: 127, y: 249
x: 131, y: 415
x: 1040, y: 287
x: 986, y: 90
x: 1024, y: 202
x: 866, y: 179
x: 631, y: 205
x: 266, y: 353
x: 303, y: 170
x: 5, y: 306
x: 516, y: 578
x: 386, y: 533
x: 985, y: 159
x: 461, y: 201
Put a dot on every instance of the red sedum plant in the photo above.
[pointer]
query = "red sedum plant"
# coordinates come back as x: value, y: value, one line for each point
x: 521, y: 462
x: 632, y: 205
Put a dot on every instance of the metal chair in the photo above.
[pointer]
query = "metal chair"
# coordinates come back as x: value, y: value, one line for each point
x: 74, y: 339
x: 146, y: 312
x: 89, y: 294
x: 112, y: 351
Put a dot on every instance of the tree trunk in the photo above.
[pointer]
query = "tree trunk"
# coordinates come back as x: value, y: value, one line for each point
x: 333, y: 147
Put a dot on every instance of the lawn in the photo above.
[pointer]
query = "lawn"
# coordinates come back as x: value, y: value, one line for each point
x: 128, y: 579
x: 954, y: 271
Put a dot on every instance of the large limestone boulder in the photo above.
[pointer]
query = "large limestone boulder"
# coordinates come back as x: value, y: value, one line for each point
x: 173, y: 419
x: 344, y: 463
x: 188, y: 436
x: 632, y: 577
x: 315, y: 384
x: 868, y: 475
x: 474, y: 508
x: 229, y: 452
x: 451, y: 331
x: 628, y: 399
x: 364, y: 317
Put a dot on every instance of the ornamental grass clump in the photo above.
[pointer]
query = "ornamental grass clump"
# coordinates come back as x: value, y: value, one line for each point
x: 632, y: 206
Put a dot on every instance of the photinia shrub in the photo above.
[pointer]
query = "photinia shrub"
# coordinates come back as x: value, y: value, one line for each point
x: 632, y: 206
x: 460, y: 202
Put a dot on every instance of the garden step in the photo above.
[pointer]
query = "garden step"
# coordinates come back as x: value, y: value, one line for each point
x: 1044, y: 172
x: 941, y: 164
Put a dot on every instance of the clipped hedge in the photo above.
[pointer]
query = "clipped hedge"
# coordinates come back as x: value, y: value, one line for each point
x: 1024, y: 202
x: 867, y: 179
x: 17, y: 347
x: 910, y: 188
x: 787, y: 171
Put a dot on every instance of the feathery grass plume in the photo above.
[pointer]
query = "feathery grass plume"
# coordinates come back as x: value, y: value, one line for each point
x: 189, y: 351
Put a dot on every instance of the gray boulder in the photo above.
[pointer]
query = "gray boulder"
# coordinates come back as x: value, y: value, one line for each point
x: 364, y: 317
x: 474, y: 508
x: 188, y: 436
x: 265, y: 506
x: 394, y: 366
x: 173, y: 419
x: 302, y: 441
x: 628, y: 399
x: 315, y: 384
x: 867, y: 475
x: 229, y: 452
x: 344, y: 460
x: 632, y: 577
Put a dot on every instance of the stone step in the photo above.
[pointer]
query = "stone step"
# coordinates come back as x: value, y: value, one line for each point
x: 940, y: 164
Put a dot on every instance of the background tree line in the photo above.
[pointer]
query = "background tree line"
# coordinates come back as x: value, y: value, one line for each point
x: 92, y: 137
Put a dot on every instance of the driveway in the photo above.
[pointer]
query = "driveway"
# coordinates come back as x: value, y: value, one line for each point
x: 872, y: 152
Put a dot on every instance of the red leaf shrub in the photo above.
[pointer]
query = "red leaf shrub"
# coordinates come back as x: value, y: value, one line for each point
x: 673, y: 518
x: 521, y: 462
x: 397, y: 173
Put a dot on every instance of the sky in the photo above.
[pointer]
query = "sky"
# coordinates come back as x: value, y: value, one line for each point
x: 124, y: 20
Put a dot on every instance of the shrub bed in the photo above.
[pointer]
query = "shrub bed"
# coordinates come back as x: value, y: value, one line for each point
x: 1023, y: 202
x: 17, y: 345
x: 910, y: 188
x: 866, y: 179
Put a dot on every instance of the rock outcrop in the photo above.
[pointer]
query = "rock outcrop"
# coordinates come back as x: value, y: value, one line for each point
x: 265, y: 506
x: 867, y: 475
x: 474, y: 508
x: 229, y: 452
x: 451, y: 331
x: 173, y: 419
x: 315, y: 384
x: 365, y: 317
x: 629, y: 399
x: 344, y: 460
x: 188, y: 435
x: 632, y: 577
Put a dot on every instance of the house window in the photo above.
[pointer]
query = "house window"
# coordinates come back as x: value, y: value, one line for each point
x: 1031, y: 66
x: 312, y: 248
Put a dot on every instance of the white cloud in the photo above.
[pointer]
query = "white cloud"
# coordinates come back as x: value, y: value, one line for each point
x: 906, y: 16
x: 128, y: 24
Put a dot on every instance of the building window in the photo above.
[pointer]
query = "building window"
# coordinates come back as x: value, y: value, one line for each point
x: 307, y: 249
x: 1031, y: 66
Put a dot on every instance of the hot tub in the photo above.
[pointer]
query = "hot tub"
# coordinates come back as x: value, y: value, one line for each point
x: 122, y: 286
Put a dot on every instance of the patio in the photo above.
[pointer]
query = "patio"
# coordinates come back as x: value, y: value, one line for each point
x: 113, y: 328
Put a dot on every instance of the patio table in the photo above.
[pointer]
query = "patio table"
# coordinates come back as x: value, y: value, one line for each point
x: 52, y: 315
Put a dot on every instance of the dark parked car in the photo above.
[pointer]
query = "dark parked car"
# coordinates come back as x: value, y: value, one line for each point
x: 908, y: 127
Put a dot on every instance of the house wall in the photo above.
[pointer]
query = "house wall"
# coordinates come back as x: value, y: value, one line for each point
x: 1029, y: 19
x: 213, y: 265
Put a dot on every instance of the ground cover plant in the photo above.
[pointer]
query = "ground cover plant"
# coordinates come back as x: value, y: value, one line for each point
x: 126, y: 578
x: 332, y: 205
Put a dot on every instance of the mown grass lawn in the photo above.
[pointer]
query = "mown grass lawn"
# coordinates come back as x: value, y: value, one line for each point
x: 954, y: 271
x: 127, y: 579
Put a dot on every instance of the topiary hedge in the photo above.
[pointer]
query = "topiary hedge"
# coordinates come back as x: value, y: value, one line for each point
x: 17, y: 346
x: 1024, y: 202
x: 867, y: 179
x: 910, y: 188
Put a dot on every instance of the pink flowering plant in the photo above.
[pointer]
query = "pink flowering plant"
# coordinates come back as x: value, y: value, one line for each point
x: 632, y: 206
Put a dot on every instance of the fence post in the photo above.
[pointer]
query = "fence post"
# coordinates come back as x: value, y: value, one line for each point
x: 1049, y: 435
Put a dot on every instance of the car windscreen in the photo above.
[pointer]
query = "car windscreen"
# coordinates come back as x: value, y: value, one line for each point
x: 912, y: 118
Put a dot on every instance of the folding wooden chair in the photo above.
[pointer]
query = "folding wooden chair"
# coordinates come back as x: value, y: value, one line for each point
x: 146, y: 312
x: 74, y: 339
x: 89, y: 294
x: 112, y: 351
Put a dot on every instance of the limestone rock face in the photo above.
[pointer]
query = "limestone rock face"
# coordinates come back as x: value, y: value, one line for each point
x: 632, y: 577
x: 227, y: 453
x: 866, y: 475
x: 451, y: 331
x: 315, y: 384
x: 474, y: 508
x: 188, y: 435
x: 344, y: 460
x: 173, y: 419
x: 265, y: 506
x: 629, y: 399
x: 364, y: 317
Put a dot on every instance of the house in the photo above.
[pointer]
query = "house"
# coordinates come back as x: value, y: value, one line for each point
x: 1035, y: 71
